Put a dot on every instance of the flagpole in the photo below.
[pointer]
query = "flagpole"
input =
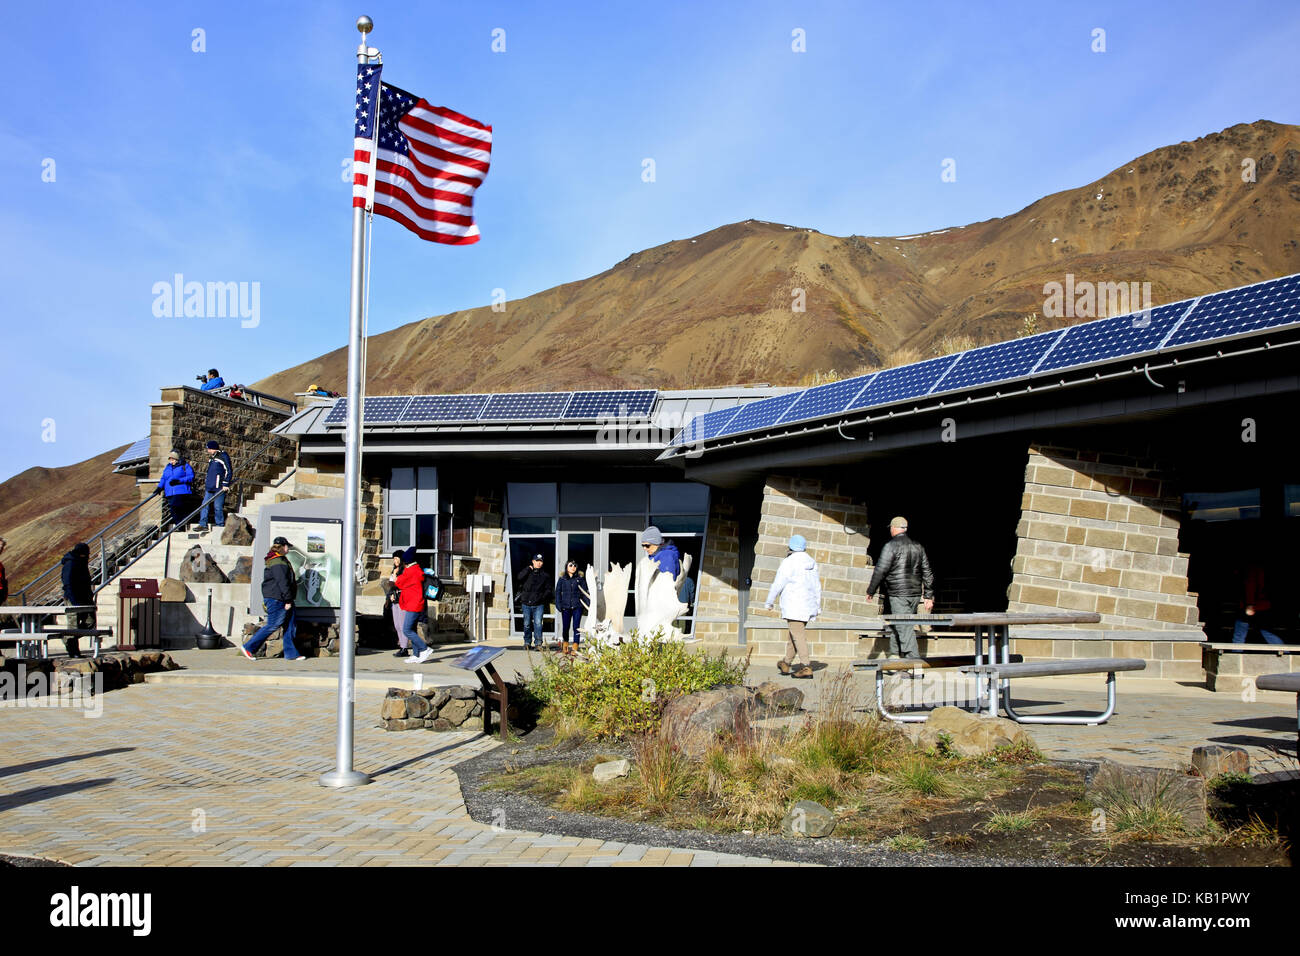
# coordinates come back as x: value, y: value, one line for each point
x: 343, y: 774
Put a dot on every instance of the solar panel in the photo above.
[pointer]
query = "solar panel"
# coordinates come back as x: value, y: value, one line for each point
x: 997, y: 363
x: 825, y: 399
x: 444, y: 408
x: 611, y: 404
x: 338, y: 414
x: 1115, y: 337
x: 906, y: 381
x: 378, y: 410
x: 138, y: 451
x: 706, y: 426
x: 525, y: 406
x: 759, y: 414
x: 1264, y: 305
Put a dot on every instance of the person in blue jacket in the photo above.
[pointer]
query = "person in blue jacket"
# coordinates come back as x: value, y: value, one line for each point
x: 214, y: 381
x: 662, y: 553
x: 217, y: 480
x: 175, y: 485
x: 571, y: 599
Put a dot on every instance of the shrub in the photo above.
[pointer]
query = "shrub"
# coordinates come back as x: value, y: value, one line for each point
x: 620, y: 690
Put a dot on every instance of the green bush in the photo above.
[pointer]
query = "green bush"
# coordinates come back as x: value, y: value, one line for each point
x: 621, y: 690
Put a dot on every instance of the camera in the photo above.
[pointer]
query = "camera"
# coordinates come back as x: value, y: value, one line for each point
x: 200, y: 378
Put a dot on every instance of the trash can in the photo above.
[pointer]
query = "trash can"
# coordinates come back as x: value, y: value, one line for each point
x: 139, y: 615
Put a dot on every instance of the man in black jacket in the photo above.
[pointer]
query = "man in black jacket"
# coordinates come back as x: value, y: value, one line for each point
x: 77, y: 589
x: 279, y: 590
x: 532, y: 591
x: 905, y: 572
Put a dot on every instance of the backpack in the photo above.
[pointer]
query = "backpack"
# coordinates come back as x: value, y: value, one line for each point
x: 432, y: 586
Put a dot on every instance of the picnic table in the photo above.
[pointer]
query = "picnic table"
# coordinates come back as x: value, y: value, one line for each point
x: 33, y: 635
x: 996, y: 673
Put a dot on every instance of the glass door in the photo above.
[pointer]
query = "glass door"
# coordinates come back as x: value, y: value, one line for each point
x: 620, y: 542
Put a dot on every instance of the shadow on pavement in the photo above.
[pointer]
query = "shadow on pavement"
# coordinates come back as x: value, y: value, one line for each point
x: 9, y: 801
x: 55, y: 761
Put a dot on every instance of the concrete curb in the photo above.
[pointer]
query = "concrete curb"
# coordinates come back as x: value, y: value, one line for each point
x: 380, y: 682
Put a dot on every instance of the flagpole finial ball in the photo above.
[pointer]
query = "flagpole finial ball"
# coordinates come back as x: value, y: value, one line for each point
x: 365, y: 24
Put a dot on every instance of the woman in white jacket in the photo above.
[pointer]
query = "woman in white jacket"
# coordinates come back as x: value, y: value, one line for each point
x: 799, y: 588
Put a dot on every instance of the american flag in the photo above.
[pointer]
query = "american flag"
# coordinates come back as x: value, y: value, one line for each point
x: 428, y: 161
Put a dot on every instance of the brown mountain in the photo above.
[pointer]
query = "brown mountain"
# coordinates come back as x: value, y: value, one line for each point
x: 718, y: 308
x: 45, y: 511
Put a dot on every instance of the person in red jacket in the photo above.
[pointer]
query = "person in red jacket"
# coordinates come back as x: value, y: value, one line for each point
x: 409, y: 578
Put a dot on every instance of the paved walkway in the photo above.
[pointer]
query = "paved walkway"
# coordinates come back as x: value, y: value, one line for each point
x: 177, y: 775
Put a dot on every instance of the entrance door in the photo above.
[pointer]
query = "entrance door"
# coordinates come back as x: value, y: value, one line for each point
x: 619, y: 544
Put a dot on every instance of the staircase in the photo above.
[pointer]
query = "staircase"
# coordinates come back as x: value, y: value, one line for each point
x: 230, y: 602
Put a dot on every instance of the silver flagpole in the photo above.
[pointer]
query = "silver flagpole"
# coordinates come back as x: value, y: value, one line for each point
x: 343, y: 774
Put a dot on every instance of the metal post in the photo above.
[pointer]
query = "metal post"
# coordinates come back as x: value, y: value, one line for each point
x: 343, y: 774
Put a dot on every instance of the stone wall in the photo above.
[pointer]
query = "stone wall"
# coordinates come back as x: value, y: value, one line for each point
x: 186, y: 418
x: 1099, y: 532
x: 717, y: 587
x: 323, y: 478
x: 835, y: 526
x: 489, y: 547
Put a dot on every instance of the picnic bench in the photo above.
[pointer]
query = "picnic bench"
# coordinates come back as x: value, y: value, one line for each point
x: 911, y: 666
x: 32, y: 634
x: 1220, y: 667
x: 1283, y: 682
x: 995, y: 674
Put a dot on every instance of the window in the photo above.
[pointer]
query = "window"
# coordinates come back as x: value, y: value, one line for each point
x: 436, y: 524
x: 1222, y: 505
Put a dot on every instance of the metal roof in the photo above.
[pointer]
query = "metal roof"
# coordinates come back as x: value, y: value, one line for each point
x: 137, y: 454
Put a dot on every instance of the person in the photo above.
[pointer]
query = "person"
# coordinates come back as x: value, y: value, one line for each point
x: 409, y: 578
x: 799, y: 587
x: 4, y: 581
x: 1253, y: 608
x: 687, y: 596
x: 214, y: 381
x: 77, y: 589
x: 396, y: 615
x: 532, y: 587
x: 279, y: 590
x: 571, y: 596
x: 216, y: 480
x: 174, y: 486
x: 904, y: 569
x: 663, y: 553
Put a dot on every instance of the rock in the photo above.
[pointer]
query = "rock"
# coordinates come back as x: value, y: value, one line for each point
x: 462, y: 693
x: 242, y: 573
x: 442, y: 724
x: 1211, y: 760
x: 274, y: 647
x: 250, y: 629
x: 774, y: 698
x: 429, y: 722
x: 697, y: 719
x: 1115, y: 785
x: 394, y: 708
x: 478, y: 709
x: 238, y: 531
x: 610, y: 769
x: 456, y: 711
x: 411, y: 723
x: 281, y: 498
x: 971, y: 735
x: 436, y: 696
x: 417, y: 706
x: 197, y: 567
x: 173, y: 591
x: 808, y: 818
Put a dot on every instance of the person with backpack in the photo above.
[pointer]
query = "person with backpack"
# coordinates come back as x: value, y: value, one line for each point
x: 571, y: 597
x: 798, y: 586
x: 216, y: 483
x: 174, y: 485
x: 78, y: 590
x: 408, y: 577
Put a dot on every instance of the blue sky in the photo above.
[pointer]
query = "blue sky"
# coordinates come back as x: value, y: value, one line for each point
x: 226, y: 165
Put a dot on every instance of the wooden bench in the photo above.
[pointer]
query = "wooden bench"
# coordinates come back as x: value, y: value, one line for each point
x: 994, y: 673
x: 96, y: 635
x: 1283, y: 682
x: 911, y: 666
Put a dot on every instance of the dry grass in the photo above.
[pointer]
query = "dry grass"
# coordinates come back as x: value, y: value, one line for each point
x: 953, y: 343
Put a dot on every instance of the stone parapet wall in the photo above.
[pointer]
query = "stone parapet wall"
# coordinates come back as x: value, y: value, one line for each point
x: 1099, y: 532
x: 186, y: 418
x: 489, y: 545
x: 718, y: 585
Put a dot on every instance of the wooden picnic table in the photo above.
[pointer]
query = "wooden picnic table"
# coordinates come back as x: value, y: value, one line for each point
x: 31, y: 627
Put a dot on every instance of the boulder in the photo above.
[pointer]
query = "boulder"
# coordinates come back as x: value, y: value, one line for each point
x: 808, y: 818
x: 456, y: 711
x: 461, y: 692
x: 774, y: 698
x: 696, y: 720
x: 237, y: 531
x: 242, y: 572
x: 610, y: 769
x: 393, y: 708
x: 1115, y: 785
x: 1211, y: 760
x: 281, y: 498
x: 417, y: 706
x: 197, y: 567
x: 173, y: 591
x: 436, y: 696
x: 971, y: 735
x: 442, y: 723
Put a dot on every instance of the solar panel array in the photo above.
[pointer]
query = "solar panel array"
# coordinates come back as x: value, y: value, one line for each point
x: 137, y: 452
x: 1223, y: 315
x: 503, y: 407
